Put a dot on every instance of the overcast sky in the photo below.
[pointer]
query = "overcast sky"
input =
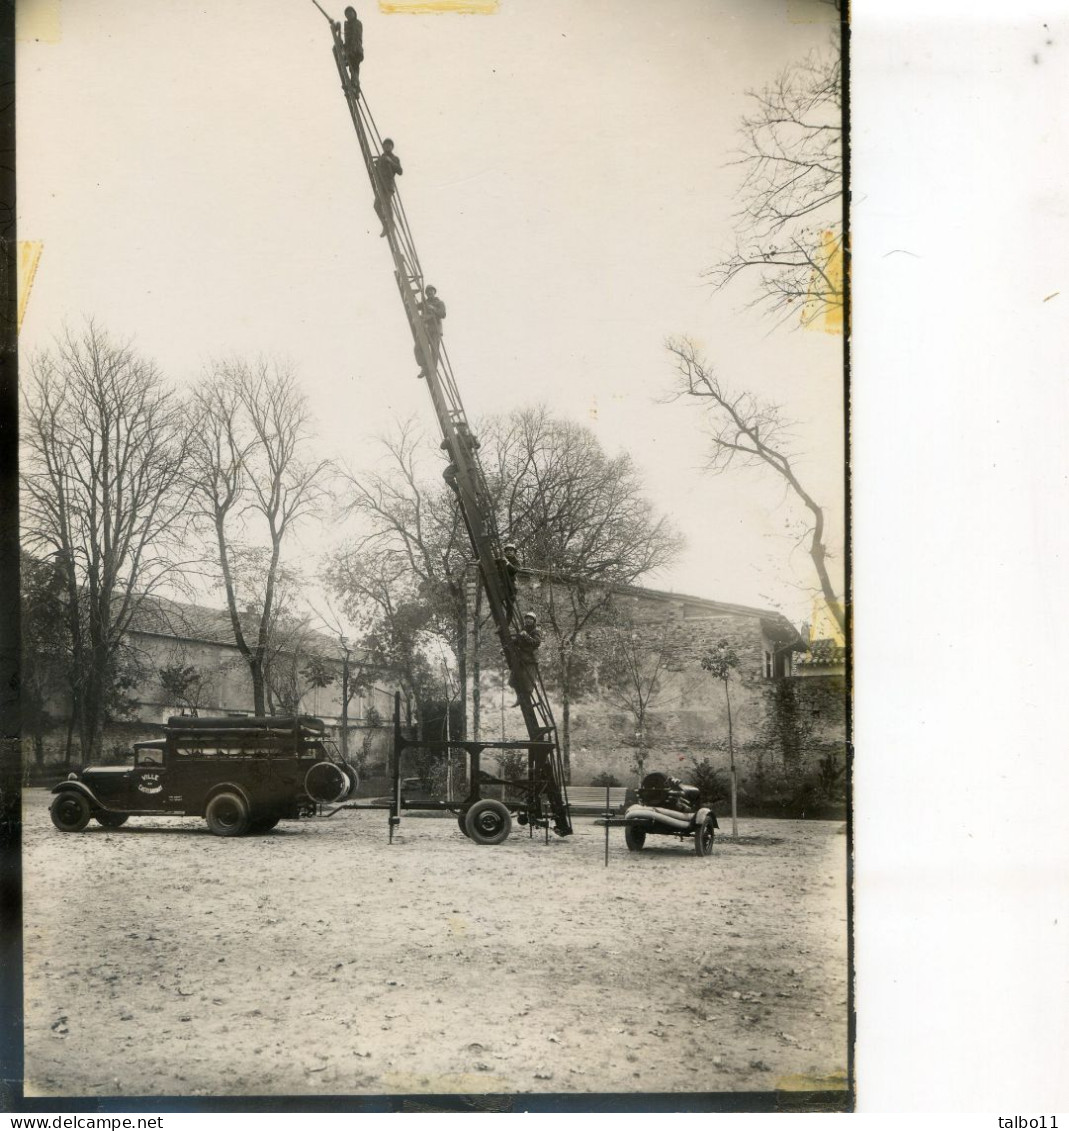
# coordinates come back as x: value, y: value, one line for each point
x: 195, y: 179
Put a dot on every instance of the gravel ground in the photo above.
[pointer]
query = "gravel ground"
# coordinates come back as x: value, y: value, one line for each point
x: 319, y: 959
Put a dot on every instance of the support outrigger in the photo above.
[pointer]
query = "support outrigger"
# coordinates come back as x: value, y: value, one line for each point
x: 541, y: 799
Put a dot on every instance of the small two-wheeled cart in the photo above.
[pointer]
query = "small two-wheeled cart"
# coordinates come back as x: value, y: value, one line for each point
x: 666, y: 807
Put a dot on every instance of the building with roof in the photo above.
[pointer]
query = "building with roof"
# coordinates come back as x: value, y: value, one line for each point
x: 824, y: 657
x: 305, y: 674
x: 186, y: 662
x: 826, y: 654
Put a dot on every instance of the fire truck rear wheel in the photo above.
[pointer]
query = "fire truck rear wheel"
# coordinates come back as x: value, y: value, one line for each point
x: 488, y: 822
x: 111, y: 820
x: 227, y: 815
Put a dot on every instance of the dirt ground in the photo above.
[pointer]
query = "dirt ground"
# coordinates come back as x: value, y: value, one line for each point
x: 319, y: 959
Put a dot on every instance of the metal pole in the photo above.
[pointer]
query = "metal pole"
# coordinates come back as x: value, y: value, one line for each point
x: 345, y: 701
x: 448, y: 735
x: 395, y: 793
x: 734, y: 812
x: 606, y: 826
x: 731, y: 752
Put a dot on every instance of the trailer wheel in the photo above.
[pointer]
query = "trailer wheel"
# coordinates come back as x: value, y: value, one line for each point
x: 69, y: 811
x: 634, y: 837
x: 111, y: 820
x: 703, y: 838
x: 488, y: 822
x: 227, y: 815
x: 461, y: 818
x: 263, y: 825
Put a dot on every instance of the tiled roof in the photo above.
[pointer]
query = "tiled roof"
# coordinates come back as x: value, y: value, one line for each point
x: 823, y: 653
x: 164, y: 617
x: 160, y: 616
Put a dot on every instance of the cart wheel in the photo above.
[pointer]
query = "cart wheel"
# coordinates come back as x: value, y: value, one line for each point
x: 634, y: 837
x: 703, y: 838
x: 69, y: 811
x: 111, y: 820
x: 488, y: 822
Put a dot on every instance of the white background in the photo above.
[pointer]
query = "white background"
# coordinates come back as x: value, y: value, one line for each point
x: 959, y: 434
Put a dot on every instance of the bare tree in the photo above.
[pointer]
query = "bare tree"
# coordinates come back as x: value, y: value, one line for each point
x: 747, y: 430
x: 46, y: 663
x: 414, y: 527
x: 572, y: 508
x: 296, y: 664
x: 253, y: 484
x: 789, y: 228
x: 395, y: 626
x: 583, y: 525
x: 356, y: 674
x: 720, y: 662
x: 105, y: 442
x: 631, y: 673
x: 403, y: 576
x: 577, y: 514
x: 184, y: 684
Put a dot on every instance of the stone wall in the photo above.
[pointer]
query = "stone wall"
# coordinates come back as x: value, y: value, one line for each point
x: 780, y: 755
x: 227, y: 689
x: 779, y: 725
x: 228, y: 683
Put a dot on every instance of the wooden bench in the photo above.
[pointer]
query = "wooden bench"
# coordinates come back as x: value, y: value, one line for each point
x: 591, y: 798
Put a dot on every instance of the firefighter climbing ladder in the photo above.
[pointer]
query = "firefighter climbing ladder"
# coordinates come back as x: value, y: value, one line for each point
x: 547, y: 797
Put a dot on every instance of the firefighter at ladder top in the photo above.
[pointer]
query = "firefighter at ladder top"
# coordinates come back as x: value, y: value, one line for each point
x: 525, y: 646
x: 387, y: 169
x: 431, y: 311
x: 354, y: 46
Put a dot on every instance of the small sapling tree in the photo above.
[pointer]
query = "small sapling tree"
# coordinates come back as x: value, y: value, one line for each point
x: 720, y: 663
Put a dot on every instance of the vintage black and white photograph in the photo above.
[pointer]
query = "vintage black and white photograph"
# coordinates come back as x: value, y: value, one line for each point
x: 433, y: 560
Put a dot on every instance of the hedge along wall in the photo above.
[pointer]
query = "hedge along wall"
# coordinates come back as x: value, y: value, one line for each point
x: 785, y: 724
